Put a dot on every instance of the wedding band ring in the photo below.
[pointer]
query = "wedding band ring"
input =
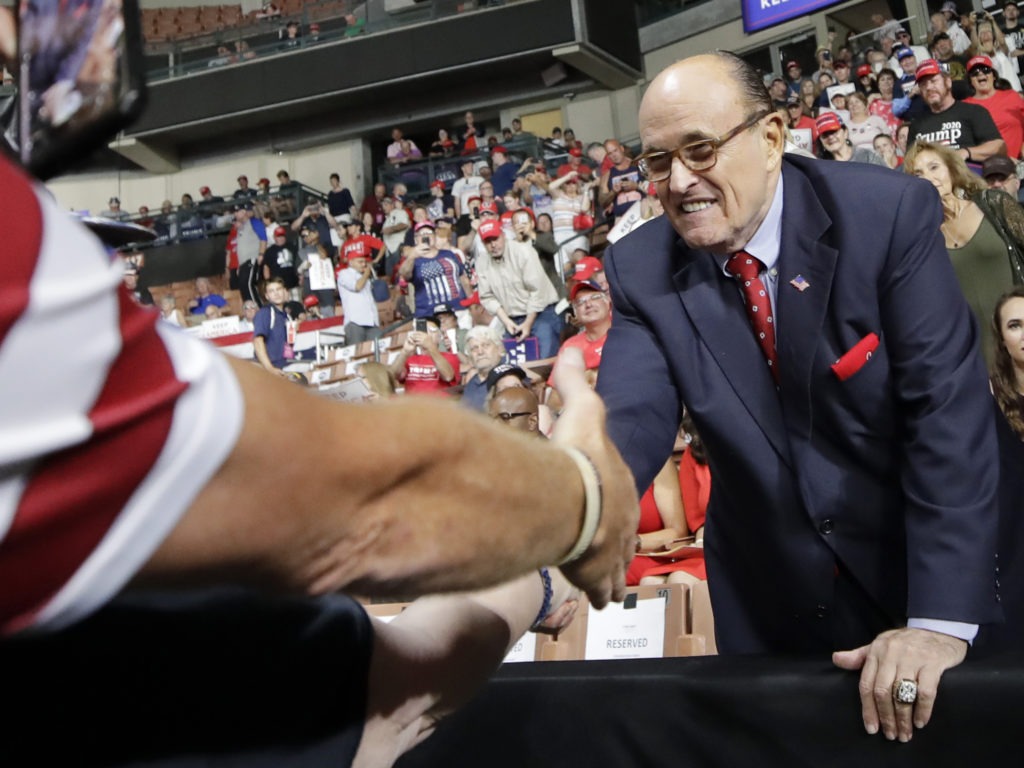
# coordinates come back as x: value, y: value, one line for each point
x: 904, y: 691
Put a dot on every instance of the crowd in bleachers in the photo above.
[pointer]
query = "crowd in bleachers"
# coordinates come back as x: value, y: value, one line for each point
x: 477, y: 286
x: 949, y: 110
x: 868, y: 86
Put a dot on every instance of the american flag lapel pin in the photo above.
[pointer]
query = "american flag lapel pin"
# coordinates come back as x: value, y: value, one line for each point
x: 800, y: 283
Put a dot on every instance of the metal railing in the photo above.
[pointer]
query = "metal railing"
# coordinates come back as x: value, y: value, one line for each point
x: 320, y: 22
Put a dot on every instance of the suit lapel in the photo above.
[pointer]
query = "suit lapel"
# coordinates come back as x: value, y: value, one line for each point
x: 804, y: 259
x: 716, y: 310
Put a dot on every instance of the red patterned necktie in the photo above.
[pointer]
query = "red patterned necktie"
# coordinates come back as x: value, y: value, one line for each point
x: 746, y: 268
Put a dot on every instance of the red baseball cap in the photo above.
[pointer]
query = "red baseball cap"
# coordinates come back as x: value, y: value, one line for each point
x: 792, y: 63
x: 357, y: 250
x: 828, y: 122
x: 576, y: 152
x: 979, y: 61
x: 490, y: 230
x: 927, y: 68
x: 491, y: 207
x: 423, y: 225
x: 204, y: 190
x: 264, y: 180
x: 587, y: 267
x: 863, y: 69
x: 311, y: 301
x: 499, y: 148
x: 843, y: 63
x: 280, y: 232
x: 584, y: 285
x: 437, y: 183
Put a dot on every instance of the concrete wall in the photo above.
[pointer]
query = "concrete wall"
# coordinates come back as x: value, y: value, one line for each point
x: 312, y: 167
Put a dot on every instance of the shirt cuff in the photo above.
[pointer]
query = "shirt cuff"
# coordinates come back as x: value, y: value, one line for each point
x: 958, y: 629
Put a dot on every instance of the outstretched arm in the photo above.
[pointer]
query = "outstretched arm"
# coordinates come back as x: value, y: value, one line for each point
x: 349, y: 524
x: 435, y: 655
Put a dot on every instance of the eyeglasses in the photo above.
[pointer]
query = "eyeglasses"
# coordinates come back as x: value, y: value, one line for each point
x: 591, y: 299
x: 982, y: 70
x: 697, y: 156
x: 504, y: 416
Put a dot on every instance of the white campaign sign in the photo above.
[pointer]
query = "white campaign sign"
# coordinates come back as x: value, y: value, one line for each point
x: 617, y: 632
x: 525, y: 649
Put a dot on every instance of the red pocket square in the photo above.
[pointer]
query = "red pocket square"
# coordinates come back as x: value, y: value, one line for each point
x: 854, y: 360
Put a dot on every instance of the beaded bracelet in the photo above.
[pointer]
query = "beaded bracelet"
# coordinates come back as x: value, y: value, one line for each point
x: 545, y: 607
x: 592, y: 507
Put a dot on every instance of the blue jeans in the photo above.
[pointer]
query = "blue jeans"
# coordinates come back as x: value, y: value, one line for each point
x: 547, y: 327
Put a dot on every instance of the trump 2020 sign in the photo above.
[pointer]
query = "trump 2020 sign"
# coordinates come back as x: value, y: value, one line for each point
x: 759, y: 14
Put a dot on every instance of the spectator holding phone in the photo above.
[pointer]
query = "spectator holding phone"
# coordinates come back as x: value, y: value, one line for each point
x: 423, y: 365
x: 437, y: 277
x: 514, y: 287
x: 355, y: 286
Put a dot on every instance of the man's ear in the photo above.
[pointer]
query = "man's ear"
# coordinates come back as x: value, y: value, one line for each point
x: 774, y: 136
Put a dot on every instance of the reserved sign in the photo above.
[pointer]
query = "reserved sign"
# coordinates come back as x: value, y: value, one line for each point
x: 634, y: 629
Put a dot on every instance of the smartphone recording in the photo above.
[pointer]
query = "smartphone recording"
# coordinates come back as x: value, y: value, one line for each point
x: 80, y: 79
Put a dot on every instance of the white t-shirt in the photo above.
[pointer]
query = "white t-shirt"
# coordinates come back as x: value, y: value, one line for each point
x: 465, y: 188
x: 359, y: 306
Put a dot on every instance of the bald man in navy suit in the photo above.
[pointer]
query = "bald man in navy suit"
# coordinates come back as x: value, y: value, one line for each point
x: 852, y: 449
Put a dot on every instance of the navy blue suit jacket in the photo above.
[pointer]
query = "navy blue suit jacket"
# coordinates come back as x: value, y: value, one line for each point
x: 838, y: 508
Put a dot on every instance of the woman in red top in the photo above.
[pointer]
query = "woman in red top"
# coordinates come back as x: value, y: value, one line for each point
x: 674, y: 507
x: 1004, y: 104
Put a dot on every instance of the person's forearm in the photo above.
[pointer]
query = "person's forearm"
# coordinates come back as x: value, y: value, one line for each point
x: 499, y: 312
x: 407, y: 266
x: 397, y: 366
x: 444, y: 368
x: 259, y: 345
x: 350, y: 526
x: 363, y: 280
x: 985, y: 150
x: 435, y: 654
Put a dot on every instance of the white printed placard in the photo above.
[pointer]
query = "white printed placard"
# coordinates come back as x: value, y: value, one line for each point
x: 220, y: 326
x: 525, y: 649
x: 617, y: 632
x: 351, y: 391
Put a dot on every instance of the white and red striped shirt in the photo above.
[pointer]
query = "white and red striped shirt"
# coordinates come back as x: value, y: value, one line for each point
x: 110, y: 423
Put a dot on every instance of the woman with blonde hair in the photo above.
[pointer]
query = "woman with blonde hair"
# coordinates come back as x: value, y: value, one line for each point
x: 570, y: 197
x: 809, y: 95
x: 987, y: 39
x: 379, y: 379
x: 983, y: 229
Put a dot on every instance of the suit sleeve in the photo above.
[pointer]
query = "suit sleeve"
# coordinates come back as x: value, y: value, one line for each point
x: 644, y: 407
x: 950, y: 464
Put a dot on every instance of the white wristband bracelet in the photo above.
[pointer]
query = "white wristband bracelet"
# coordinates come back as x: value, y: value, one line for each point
x: 592, y: 504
